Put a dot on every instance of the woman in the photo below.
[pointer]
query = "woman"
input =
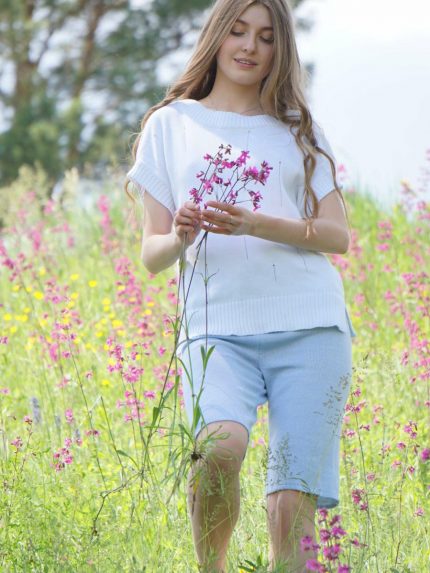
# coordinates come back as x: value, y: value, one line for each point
x: 261, y: 291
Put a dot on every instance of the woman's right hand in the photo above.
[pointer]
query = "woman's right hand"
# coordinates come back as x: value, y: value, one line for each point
x: 186, y: 222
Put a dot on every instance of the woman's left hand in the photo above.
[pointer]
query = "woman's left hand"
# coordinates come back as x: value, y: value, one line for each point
x: 227, y: 219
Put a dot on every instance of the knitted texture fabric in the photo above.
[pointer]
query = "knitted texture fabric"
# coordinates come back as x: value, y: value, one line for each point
x: 242, y: 284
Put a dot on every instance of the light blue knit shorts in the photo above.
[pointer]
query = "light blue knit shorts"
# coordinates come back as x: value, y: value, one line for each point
x: 304, y: 375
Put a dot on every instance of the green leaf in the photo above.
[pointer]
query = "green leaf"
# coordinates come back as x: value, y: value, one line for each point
x: 122, y: 453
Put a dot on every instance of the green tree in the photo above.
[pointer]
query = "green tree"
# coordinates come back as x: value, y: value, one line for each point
x: 77, y: 76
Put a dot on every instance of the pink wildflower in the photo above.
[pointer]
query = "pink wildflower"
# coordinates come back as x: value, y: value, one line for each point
x: 17, y: 442
x: 332, y: 553
x: 325, y: 535
x: 315, y: 565
x: 357, y: 495
x: 69, y: 416
x: 307, y: 543
x: 411, y: 429
x: 425, y: 454
x: 338, y: 532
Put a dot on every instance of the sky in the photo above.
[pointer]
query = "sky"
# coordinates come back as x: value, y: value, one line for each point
x: 371, y: 87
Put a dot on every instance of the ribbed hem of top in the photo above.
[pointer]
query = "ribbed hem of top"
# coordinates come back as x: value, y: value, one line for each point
x: 228, y: 119
x: 271, y: 314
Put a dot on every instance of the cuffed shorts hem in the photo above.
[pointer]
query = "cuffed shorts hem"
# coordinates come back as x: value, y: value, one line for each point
x: 322, y: 500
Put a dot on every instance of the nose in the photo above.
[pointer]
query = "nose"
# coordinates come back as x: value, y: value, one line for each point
x: 249, y: 43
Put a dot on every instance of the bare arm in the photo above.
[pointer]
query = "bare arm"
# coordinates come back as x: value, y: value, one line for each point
x: 164, y: 236
x: 330, y: 230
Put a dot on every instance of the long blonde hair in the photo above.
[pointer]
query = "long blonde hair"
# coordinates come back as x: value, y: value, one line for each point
x: 281, y: 91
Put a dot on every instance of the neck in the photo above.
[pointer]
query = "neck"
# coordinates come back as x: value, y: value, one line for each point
x: 238, y: 99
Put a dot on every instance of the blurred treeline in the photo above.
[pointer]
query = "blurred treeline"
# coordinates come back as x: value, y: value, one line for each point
x: 76, y: 77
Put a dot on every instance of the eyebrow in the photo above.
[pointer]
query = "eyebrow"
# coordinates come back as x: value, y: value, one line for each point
x: 239, y: 21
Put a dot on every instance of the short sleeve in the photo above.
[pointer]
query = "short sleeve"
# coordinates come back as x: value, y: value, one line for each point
x: 149, y: 171
x: 322, y: 180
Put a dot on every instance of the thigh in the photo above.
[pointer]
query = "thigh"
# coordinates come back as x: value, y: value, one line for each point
x: 308, y: 378
x: 228, y: 385
x: 308, y: 375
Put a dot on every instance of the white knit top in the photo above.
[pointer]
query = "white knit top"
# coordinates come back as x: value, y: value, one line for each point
x: 254, y: 285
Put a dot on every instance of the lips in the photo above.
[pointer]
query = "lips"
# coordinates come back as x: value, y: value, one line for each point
x: 245, y: 62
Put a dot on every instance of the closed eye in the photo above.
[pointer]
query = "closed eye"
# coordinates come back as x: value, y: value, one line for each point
x: 265, y: 40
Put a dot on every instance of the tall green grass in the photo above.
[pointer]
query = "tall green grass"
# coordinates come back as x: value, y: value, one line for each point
x: 94, y: 447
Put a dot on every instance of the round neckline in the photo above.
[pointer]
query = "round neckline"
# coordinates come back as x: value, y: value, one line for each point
x: 220, y: 118
x: 228, y: 111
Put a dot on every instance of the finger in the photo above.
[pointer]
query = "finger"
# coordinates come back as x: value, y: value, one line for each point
x: 216, y: 230
x: 186, y: 220
x: 222, y: 206
x: 191, y: 205
x: 219, y: 221
x: 182, y: 229
x: 188, y: 214
x: 183, y: 221
x: 225, y: 221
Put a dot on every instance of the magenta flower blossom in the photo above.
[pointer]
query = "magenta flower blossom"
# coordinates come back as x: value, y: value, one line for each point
x: 425, y: 454
x: 307, y: 543
x: 17, y: 442
x: 242, y: 159
x: 338, y: 532
x: 315, y: 565
x: 332, y: 552
x: 69, y: 416
x: 224, y: 179
x: 411, y: 429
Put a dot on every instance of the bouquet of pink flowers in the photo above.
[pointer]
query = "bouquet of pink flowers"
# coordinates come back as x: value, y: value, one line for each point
x: 225, y: 178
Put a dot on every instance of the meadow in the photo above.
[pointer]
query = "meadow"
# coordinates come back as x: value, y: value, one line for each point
x: 94, y: 441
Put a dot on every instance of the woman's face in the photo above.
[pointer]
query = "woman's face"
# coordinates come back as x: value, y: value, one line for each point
x: 246, y: 55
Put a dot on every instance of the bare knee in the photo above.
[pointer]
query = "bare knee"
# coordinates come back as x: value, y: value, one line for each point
x: 224, y: 446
